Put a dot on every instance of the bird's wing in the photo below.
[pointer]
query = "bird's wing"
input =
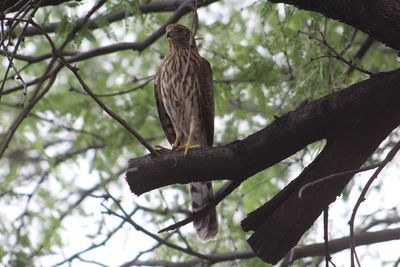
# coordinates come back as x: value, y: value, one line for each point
x: 205, y: 79
x: 162, y: 113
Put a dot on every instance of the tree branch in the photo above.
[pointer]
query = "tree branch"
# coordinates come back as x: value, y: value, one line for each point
x: 321, y: 119
x: 317, y: 249
x: 337, y: 245
x: 361, y: 198
x: 379, y: 19
x: 152, y: 7
x: 183, y: 9
x: 354, y: 121
x: 366, y: 44
x: 39, y: 94
x: 12, y: 6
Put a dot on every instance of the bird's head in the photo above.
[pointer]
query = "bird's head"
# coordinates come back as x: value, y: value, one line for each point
x: 179, y: 36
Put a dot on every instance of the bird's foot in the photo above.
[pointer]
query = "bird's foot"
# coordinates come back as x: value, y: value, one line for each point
x: 186, y: 147
x: 163, y: 148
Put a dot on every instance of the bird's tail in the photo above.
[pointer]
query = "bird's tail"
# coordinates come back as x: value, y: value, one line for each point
x: 206, y: 226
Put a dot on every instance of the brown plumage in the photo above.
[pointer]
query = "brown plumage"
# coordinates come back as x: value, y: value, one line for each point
x: 185, y: 103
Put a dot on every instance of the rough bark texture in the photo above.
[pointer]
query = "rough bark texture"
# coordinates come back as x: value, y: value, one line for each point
x: 346, y: 149
x: 373, y: 116
x: 379, y: 19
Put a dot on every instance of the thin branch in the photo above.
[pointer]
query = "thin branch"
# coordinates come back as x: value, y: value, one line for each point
x: 350, y: 42
x: 336, y: 175
x: 392, y: 153
x: 140, y: 86
x: 37, y: 95
x: 152, y: 7
x: 183, y: 9
x: 55, y: 123
x: 328, y: 258
x: 95, y: 245
x: 127, y: 218
x: 115, y: 116
x: 221, y: 195
x: 367, y: 43
x: 387, y: 221
x: 128, y: 264
x: 83, y: 194
x: 12, y: 6
x: 337, y: 54
x: 35, y: 59
x: 318, y: 249
x: 18, y: 43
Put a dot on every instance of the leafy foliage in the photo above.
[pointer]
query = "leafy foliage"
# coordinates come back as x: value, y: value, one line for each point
x: 68, y: 155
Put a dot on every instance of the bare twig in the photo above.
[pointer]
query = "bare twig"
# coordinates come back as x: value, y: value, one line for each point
x: 392, y: 153
x: 95, y: 245
x: 222, y: 193
x: 115, y: 116
x: 367, y: 43
x: 350, y: 42
x: 182, y: 10
x: 336, y: 175
x: 151, y: 7
x: 337, y: 54
x: 128, y: 219
x: 328, y: 258
x: 39, y: 94
x: 140, y: 86
x: 18, y: 43
x: 318, y: 249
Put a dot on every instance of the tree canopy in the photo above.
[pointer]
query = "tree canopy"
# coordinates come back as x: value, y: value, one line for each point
x: 306, y: 97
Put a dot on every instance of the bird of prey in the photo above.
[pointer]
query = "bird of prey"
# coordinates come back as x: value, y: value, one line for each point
x: 185, y: 103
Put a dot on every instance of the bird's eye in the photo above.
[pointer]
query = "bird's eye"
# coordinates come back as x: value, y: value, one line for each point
x: 180, y: 31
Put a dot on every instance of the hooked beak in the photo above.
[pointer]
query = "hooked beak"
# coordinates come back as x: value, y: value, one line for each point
x: 169, y: 35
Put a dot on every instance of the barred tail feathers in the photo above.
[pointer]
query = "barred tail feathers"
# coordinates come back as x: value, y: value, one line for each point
x: 206, y: 226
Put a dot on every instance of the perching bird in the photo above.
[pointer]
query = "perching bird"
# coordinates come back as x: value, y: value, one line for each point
x: 185, y: 103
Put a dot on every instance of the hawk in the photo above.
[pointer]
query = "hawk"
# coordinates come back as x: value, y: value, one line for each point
x: 185, y: 103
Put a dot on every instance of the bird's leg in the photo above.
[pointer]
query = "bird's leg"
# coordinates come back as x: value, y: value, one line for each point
x: 174, y: 145
x: 177, y: 140
x: 160, y: 147
x: 188, y: 144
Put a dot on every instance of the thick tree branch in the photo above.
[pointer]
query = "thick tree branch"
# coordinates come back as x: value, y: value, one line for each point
x: 354, y: 121
x: 288, y: 213
x: 343, y: 112
x: 379, y: 19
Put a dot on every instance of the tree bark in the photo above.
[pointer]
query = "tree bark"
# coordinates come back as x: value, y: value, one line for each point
x: 379, y: 19
x: 347, y: 148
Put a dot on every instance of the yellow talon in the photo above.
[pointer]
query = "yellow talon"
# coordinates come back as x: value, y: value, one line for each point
x: 162, y: 148
x: 186, y: 147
